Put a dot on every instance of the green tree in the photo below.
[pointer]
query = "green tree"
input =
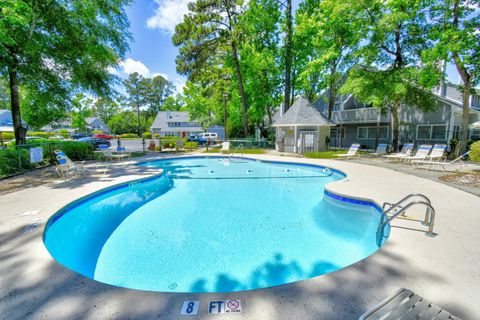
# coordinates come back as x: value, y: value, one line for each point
x: 105, y: 109
x: 209, y: 30
x: 389, y: 72
x: 260, y: 52
x: 328, y: 32
x: 53, y: 48
x: 158, y: 89
x: 82, y: 108
x: 456, y: 33
x: 136, y: 88
x: 126, y: 122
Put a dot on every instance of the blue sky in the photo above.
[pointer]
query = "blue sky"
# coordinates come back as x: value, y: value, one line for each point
x: 152, y: 23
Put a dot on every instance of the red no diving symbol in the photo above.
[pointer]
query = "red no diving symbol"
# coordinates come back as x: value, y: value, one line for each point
x: 233, y: 304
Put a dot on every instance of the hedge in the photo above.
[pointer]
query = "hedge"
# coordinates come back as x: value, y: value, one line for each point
x: 15, y: 160
x: 147, y: 135
x: 475, y: 152
x: 191, y: 145
x: 129, y: 135
x: 47, y: 135
x: 8, y: 136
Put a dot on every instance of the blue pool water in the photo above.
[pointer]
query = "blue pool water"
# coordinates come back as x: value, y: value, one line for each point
x: 210, y: 225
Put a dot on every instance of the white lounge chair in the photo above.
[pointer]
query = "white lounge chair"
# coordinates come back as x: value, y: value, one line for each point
x: 66, y: 168
x: 65, y: 165
x: 225, y: 147
x: 443, y: 164
x: 381, y: 150
x: 107, y: 153
x: 406, y: 152
x: 122, y: 150
x: 351, y: 152
x: 437, y: 154
x: 405, y: 304
x: 421, y: 154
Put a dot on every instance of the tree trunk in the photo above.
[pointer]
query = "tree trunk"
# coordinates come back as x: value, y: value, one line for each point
x: 19, y: 130
x: 288, y: 54
x: 465, y: 115
x: 394, y: 112
x: 331, y: 99
x: 236, y: 62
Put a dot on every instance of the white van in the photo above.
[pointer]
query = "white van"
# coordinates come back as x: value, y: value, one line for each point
x: 212, y: 136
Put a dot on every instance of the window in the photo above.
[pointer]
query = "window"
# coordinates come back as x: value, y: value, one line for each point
x: 432, y: 132
x: 475, y: 102
x: 335, y: 133
x: 370, y: 133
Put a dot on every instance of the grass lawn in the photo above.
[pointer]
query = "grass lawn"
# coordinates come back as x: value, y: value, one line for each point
x: 324, y: 154
x: 240, y: 151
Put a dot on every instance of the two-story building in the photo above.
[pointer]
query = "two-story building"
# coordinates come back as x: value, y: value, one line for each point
x: 356, y: 122
x: 175, y: 123
x: 367, y: 125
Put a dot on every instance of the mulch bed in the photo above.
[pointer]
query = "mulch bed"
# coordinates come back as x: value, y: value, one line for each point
x: 468, y: 179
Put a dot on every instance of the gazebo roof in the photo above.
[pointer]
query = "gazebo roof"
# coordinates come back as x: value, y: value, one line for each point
x: 303, y: 113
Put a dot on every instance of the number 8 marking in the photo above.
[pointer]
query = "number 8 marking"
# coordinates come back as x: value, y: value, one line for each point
x: 190, y: 307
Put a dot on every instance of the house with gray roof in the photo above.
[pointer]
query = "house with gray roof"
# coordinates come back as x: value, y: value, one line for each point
x: 95, y: 123
x: 357, y: 122
x: 303, y: 128
x: 175, y: 123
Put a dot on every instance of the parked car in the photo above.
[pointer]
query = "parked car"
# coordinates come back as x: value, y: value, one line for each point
x: 103, y: 136
x: 79, y: 136
x: 203, y: 138
x: 193, y: 138
x: 57, y: 137
x: 95, y: 142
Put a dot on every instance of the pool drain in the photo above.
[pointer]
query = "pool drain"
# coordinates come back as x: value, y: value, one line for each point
x: 172, y: 285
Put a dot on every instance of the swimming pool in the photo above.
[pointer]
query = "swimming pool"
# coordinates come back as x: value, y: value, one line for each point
x: 211, y: 224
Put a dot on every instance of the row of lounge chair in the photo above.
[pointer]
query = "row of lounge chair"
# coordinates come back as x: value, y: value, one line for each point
x: 425, y: 155
x: 66, y: 168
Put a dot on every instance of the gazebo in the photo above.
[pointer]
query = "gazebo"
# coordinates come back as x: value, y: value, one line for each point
x: 302, y: 128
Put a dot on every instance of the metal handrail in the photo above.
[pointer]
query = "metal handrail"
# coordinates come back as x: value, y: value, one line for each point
x: 411, y: 195
x: 429, y: 215
x: 240, y: 145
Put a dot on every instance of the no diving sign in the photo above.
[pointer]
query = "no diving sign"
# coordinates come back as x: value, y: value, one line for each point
x: 233, y: 306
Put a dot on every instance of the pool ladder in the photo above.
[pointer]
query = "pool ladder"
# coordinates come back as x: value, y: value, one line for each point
x: 401, y: 206
x: 233, y: 152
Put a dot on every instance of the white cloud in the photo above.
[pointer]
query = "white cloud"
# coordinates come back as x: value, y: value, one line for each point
x: 168, y: 14
x: 153, y: 75
x: 179, y: 84
x: 130, y: 66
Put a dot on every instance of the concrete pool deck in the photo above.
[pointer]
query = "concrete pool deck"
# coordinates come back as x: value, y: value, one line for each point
x: 444, y: 269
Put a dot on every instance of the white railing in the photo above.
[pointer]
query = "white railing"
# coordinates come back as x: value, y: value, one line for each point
x: 364, y: 115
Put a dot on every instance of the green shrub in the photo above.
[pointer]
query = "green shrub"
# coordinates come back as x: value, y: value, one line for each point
x: 191, y: 145
x: 8, y: 136
x: 129, y: 135
x: 158, y: 148
x: 147, y: 135
x: 41, y: 134
x: 96, y: 131
x: 157, y: 136
x: 168, y: 143
x: 475, y: 152
x: 13, y: 161
x: 64, y: 133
